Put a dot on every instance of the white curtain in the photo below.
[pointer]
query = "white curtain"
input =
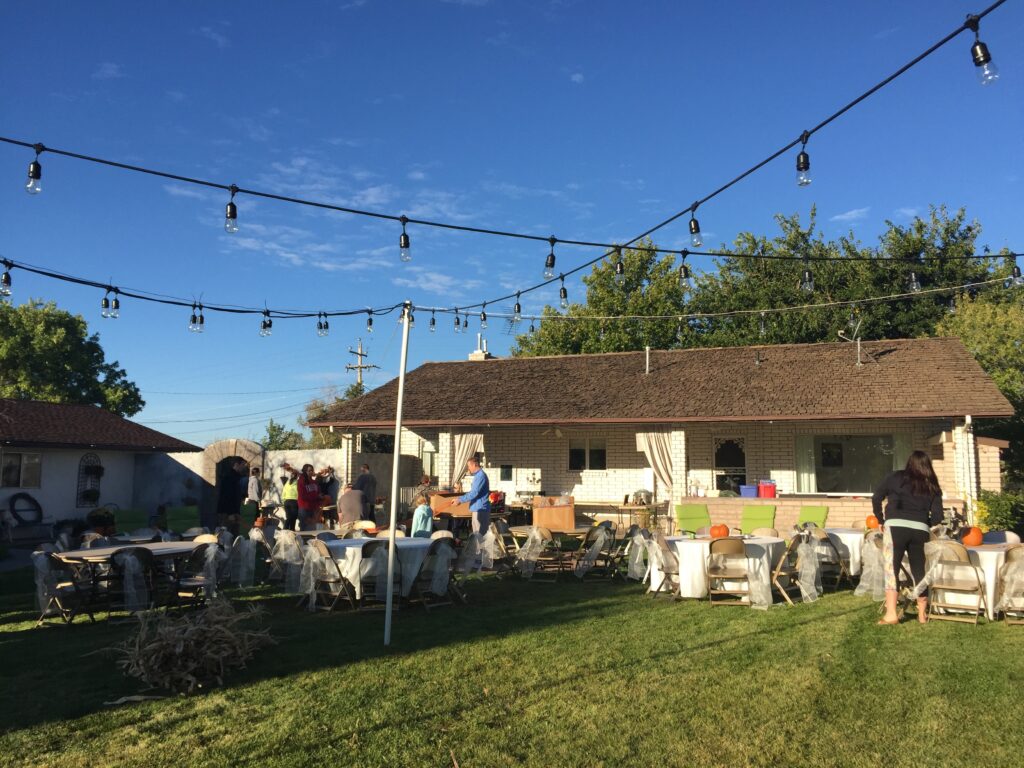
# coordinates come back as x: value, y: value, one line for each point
x: 806, y: 480
x: 657, y: 448
x: 901, y: 450
x: 464, y: 446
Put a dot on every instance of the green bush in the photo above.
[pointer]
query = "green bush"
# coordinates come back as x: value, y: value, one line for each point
x: 1001, y: 511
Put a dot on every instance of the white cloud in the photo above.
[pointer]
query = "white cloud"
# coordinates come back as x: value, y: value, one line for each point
x: 854, y: 214
x: 906, y: 213
x: 176, y: 96
x: 576, y: 77
x: 107, y: 70
x: 431, y: 281
x: 218, y: 39
x: 256, y: 131
x: 416, y: 175
x: 177, y: 190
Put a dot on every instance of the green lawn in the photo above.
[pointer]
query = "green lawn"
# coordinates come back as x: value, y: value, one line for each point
x: 592, y: 674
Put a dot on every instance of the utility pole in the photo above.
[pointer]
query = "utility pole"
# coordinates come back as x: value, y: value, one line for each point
x: 359, y: 366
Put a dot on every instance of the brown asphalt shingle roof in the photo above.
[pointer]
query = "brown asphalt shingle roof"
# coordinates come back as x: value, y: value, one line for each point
x: 910, y: 377
x: 65, y: 425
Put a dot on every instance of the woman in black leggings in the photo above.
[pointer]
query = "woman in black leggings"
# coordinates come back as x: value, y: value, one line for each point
x: 914, y: 504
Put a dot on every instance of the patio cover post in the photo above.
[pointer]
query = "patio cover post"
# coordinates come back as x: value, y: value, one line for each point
x: 406, y: 312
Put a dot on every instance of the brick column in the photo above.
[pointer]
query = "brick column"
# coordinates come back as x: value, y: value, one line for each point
x: 677, y: 445
x: 444, y: 457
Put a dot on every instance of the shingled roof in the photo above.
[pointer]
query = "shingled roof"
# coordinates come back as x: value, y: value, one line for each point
x: 64, y: 425
x: 900, y: 378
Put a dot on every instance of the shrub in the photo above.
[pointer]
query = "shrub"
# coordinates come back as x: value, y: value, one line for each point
x: 1001, y: 511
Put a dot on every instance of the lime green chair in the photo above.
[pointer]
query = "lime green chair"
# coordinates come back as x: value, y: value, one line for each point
x: 816, y: 515
x: 692, y: 517
x: 182, y: 518
x: 757, y: 516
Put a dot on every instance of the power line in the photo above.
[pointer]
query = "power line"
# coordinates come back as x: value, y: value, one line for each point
x: 224, y: 418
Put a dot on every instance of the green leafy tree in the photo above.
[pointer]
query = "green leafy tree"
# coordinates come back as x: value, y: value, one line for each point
x: 992, y: 328
x: 280, y: 438
x: 48, y: 354
x: 320, y: 406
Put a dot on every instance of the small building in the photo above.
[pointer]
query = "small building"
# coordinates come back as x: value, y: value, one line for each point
x: 824, y: 422
x: 71, y: 458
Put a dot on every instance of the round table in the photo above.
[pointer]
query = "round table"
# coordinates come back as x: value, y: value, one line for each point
x: 410, y: 552
x: 848, y: 542
x: 763, y: 552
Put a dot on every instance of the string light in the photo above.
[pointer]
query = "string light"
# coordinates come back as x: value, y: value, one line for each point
x: 807, y: 278
x: 5, y: 280
x: 483, y: 317
x: 620, y: 268
x: 193, y: 322
x: 763, y: 329
x: 854, y: 317
x: 517, y: 310
x: 549, y: 263
x: 803, y: 162
x: 323, y: 327
x: 563, y: 294
x: 1016, y: 280
x: 695, y: 239
x: 465, y: 322
x: 266, y: 324
x: 115, y: 307
x: 105, y: 305
x: 983, y: 65
x: 34, y: 185
x: 201, y: 326
x: 532, y: 329
x: 913, y: 283
x: 404, y: 251
x: 369, y: 321
x: 433, y: 322
x: 685, y: 278
x: 458, y: 322
x: 231, y: 213
x: 951, y: 307
x: 412, y: 317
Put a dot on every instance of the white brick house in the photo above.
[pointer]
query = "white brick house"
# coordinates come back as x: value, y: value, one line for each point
x: 808, y: 417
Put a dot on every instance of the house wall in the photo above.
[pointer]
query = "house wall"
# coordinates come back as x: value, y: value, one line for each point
x: 990, y: 473
x: 58, y: 491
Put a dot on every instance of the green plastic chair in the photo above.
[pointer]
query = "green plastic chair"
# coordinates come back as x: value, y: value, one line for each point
x: 691, y: 517
x: 757, y: 516
x: 816, y: 515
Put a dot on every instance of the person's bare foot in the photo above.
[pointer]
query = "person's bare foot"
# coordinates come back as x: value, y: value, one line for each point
x: 886, y: 621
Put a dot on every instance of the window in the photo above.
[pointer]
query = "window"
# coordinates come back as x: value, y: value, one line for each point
x: 20, y: 470
x: 730, y: 463
x: 847, y: 463
x: 428, y: 458
x: 90, y: 472
x: 590, y: 453
x: 506, y: 473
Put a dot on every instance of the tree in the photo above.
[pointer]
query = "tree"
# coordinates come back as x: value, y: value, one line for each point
x: 279, y: 438
x: 320, y: 406
x: 992, y: 328
x: 47, y: 354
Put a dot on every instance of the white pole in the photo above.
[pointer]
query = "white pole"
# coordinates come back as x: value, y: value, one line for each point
x: 394, y: 471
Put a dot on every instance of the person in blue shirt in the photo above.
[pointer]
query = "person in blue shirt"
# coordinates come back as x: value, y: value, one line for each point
x: 478, y: 497
x: 422, y: 519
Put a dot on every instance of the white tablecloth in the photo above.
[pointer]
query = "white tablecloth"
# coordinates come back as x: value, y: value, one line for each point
x: 410, y: 553
x: 848, y: 541
x: 763, y: 552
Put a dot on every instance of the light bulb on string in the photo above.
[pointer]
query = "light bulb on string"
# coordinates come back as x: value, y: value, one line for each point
x: 266, y: 325
x: 532, y: 329
x: 115, y: 306
x: 983, y: 66
x: 807, y: 278
x: 369, y: 321
x: 549, y: 263
x: 951, y: 305
x: 465, y: 322
x: 323, y: 328
x: 563, y: 294
x: 763, y: 328
x: 34, y: 185
x: 851, y: 323
x: 458, y: 321
x: 483, y: 317
x: 412, y: 318
x: 517, y: 310
x: 105, y: 304
x: 193, y: 321
x: 202, y: 320
x: 231, y: 213
x: 620, y: 269
x: 5, y: 280
x: 679, y: 330
x: 695, y: 239
x: 1016, y: 278
x: 913, y: 283
x: 803, y: 162
x: 433, y: 322
x: 685, y: 277
x: 404, y: 251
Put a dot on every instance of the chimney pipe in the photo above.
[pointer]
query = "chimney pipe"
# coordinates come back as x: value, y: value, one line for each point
x: 647, y: 352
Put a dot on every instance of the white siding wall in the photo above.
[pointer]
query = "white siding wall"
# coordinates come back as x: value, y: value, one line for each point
x: 58, y: 491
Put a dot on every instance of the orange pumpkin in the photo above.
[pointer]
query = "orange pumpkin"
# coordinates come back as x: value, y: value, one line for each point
x: 871, y: 522
x: 719, y: 531
x: 973, y: 537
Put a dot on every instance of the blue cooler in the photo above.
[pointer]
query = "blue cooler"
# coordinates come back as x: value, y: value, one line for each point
x: 748, y: 491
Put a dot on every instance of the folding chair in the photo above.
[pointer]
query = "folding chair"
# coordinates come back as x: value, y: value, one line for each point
x: 1011, y: 586
x: 788, y: 568
x: 329, y: 586
x: 773, y: 533
x: 131, y: 579
x: 727, y: 561
x: 691, y: 517
x: 667, y: 562
x: 326, y: 536
x: 955, y: 574
x: 442, y: 535
x: 60, y: 586
x: 193, y: 585
x: 617, y: 551
x: 433, y: 585
x: 828, y: 556
x: 372, y: 569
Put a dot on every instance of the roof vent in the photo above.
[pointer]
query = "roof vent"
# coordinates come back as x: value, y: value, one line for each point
x: 480, y: 353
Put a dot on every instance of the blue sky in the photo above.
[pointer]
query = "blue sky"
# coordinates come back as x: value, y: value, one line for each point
x: 589, y: 120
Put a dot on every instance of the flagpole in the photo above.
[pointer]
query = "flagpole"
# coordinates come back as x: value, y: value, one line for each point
x: 406, y: 312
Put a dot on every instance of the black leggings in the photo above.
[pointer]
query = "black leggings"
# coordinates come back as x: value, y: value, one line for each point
x: 909, y: 541
x: 291, y: 514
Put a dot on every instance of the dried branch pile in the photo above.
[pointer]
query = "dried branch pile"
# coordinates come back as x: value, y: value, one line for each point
x: 192, y: 651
